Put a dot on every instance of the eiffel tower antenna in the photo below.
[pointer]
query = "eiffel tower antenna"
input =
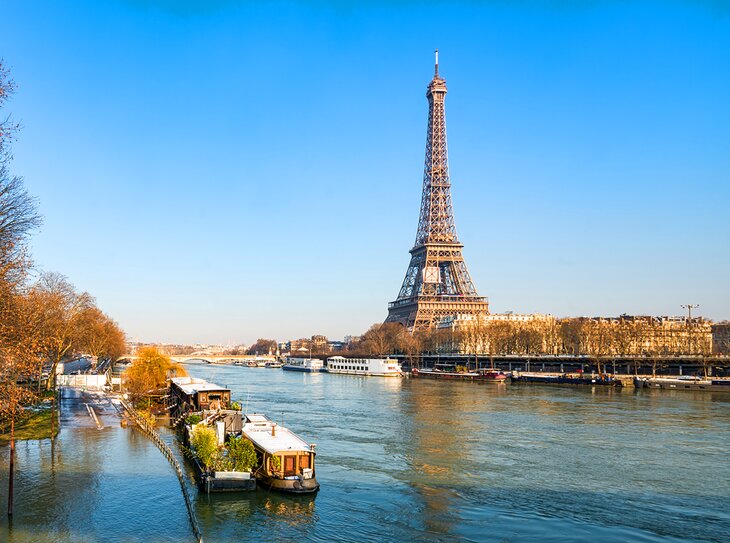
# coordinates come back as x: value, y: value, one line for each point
x: 437, y: 282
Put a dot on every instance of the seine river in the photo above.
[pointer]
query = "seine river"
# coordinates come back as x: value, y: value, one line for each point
x: 406, y: 460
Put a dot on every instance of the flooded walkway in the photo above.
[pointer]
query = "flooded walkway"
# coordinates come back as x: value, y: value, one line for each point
x: 110, y: 484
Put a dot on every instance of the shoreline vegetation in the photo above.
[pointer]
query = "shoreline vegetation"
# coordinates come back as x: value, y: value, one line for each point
x: 35, y: 425
x: 44, y: 319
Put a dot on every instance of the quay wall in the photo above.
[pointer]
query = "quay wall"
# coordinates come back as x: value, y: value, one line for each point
x: 718, y: 366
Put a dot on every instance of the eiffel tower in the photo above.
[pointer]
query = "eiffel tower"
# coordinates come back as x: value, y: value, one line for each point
x: 437, y: 283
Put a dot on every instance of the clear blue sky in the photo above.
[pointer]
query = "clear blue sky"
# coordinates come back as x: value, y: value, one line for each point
x: 222, y: 171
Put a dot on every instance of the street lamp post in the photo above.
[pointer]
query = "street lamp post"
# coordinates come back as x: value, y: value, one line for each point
x: 689, y: 308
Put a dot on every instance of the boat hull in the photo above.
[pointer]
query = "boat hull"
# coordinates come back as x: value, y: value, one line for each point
x: 289, y: 486
x: 221, y: 482
x: 364, y: 373
x: 565, y: 380
x: 468, y: 376
x: 211, y: 483
x: 715, y: 385
x: 303, y: 370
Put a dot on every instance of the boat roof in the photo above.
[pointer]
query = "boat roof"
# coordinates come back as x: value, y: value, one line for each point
x: 192, y: 385
x: 257, y: 428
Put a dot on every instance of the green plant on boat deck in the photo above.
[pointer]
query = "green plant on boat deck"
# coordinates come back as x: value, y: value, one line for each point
x: 242, y: 453
x: 193, y: 419
x: 275, y: 463
x: 205, y: 444
x: 221, y: 461
x: 236, y: 406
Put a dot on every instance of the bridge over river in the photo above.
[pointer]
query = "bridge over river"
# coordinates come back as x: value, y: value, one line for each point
x: 211, y: 359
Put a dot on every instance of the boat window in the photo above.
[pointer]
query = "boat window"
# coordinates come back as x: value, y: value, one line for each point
x: 304, y: 461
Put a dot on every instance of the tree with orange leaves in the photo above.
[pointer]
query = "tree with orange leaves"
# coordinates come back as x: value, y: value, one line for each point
x: 149, y: 373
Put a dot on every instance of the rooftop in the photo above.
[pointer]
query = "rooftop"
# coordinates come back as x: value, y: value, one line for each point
x: 191, y: 385
x: 258, y: 429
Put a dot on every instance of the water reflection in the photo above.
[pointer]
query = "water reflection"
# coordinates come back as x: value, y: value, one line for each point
x: 227, y: 516
x: 438, y: 427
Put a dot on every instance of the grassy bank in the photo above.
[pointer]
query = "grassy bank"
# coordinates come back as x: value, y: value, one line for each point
x: 35, y: 425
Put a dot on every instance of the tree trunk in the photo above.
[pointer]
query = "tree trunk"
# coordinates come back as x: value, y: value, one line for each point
x: 11, y: 471
x: 52, y: 374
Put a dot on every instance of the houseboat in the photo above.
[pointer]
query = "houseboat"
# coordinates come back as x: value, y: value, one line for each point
x: 566, y: 379
x: 684, y: 383
x: 192, y: 394
x: 382, y: 367
x: 226, y: 424
x: 441, y: 371
x: 311, y: 365
x: 286, y: 461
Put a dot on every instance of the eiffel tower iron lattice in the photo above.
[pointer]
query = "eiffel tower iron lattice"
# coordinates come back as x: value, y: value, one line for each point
x: 437, y: 283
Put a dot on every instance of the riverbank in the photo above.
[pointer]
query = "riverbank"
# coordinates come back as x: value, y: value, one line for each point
x: 35, y: 425
x: 91, y: 484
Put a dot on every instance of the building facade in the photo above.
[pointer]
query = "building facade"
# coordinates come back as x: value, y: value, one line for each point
x: 626, y: 335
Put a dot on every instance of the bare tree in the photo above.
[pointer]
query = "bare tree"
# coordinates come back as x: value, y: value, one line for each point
x: 61, y: 308
x: 18, y: 211
x: 263, y: 346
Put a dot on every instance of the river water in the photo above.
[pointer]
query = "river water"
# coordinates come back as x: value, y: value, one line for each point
x: 408, y: 460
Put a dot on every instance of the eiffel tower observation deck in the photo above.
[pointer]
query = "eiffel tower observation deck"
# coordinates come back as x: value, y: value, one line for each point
x: 437, y: 283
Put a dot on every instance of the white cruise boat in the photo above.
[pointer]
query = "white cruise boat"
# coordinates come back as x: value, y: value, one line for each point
x: 381, y: 367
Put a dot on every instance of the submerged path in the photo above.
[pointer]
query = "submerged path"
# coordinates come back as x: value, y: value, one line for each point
x: 110, y: 484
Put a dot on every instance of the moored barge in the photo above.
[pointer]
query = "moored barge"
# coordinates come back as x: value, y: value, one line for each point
x: 307, y: 365
x: 280, y: 459
x: 683, y: 383
x: 192, y: 394
x: 286, y: 461
x: 225, y: 425
x: 566, y: 379
x: 481, y: 375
